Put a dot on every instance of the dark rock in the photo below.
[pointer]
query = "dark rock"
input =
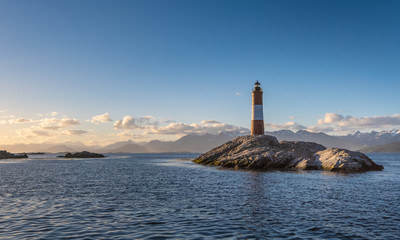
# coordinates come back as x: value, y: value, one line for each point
x: 6, y: 155
x: 83, y: 154
x: 263, y: 152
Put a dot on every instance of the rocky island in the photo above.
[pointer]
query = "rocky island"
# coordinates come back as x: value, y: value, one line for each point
x: 83, y: 154
x: 6, y: 155
x: 263, y: 152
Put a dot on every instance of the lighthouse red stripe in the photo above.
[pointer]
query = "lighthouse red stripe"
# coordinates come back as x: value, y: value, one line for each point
x: 257, y: 127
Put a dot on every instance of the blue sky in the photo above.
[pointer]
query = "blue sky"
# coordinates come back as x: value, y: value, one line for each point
x: 330, y: 66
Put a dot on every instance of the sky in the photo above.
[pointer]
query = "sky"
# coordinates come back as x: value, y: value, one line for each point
x: 107, y: 71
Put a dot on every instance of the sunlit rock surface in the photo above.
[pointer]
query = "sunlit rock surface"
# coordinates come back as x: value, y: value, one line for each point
x: 342, y: 160
x: 263, y: 152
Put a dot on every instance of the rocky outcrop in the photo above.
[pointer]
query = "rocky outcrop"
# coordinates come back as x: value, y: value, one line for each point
x: 83, y: 154
x: 339, y: 160
x: 263, y: 152
x: 6, y: 155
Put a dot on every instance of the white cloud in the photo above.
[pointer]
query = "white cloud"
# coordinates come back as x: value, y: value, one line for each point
x: 341, y: 122
x: 53, y: 114
x: 34, y: 132
x: 101, y: 118
x: 21, y: 120
x: 206, y: 126
x: 7, y: 117
x: 330, y: 118
x: 320, y: 128
x: 16, y: 121
x: 129, y: 122
x: 287, y: 126
x: 57, y: 123
x: 41, y: 133
x: 74, y: 132
x: 238, y: 94
x: 205, y: 122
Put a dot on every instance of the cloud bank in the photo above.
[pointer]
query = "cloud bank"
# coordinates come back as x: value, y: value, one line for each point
x: 288, y: 126
x: 147, y: 128
x: 56, y: 123
x: 354, y: 122
x: 205, y: 126
x: 130, y: 123
x: 149, y: 125
x: 74, y: 132
x: 338, y: 123
x: 101, y: 118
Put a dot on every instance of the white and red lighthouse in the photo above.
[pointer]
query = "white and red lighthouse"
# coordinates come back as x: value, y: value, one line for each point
x: 257, y: 116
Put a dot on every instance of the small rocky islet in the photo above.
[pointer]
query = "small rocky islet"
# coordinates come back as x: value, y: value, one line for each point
x: 84, y: 154
x: 6, y: 155
x: 263, y: 152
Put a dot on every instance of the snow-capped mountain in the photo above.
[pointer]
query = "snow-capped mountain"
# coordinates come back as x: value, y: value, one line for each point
x: 355, y: 141
x: 205, y: 142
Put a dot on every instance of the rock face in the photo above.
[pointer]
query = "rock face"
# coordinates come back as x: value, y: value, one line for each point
x: 83, y: 154
x: 5, y: 155
x: 263, y: 152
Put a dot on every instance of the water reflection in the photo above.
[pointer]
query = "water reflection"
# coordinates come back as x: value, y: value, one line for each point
x: 255, y: 201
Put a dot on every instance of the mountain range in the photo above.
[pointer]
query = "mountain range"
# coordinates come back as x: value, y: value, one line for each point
x: 205, y: 142
x: 355, y: 141
x: 386, y: 148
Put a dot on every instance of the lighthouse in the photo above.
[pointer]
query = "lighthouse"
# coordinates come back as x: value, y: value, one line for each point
x: 257, y: 116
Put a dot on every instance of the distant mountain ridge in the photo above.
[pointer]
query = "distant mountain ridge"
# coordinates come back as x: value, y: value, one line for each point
x: 353, y: 141
x: 386, y: 148
x: 205, y: 142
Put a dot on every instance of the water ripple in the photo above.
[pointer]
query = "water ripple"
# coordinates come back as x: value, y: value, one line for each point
x: 159, y: 197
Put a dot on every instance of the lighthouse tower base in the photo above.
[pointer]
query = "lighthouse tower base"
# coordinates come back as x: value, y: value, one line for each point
x: 257, y: 127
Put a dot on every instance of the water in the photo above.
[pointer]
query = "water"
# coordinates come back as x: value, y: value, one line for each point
x: 157, y: 196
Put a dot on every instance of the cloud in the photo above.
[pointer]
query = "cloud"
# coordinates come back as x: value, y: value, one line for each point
x: 238, y: 94
x: 330, y: 118
x: 101, y: 118
x: 74, y: 132
x: 319, y: 128
x: 349, y: 122
x: 45, y: 129
x: 53, y: 114
x: 129, y: 122
x: 340, y: 124
x: 21, y: 120
x: 149, y: 125
x: 16, y: 121
x: 51, y: 127
x: 33, y: 132
x: 7, y: 117
x: 287, y: 126
x: 128, y: 135
x: 41, y: 133
x: 205, y: 122
x: 56, y: 123
x: 206, y: 126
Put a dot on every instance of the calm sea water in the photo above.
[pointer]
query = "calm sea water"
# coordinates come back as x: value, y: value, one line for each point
x: 157, y: 196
